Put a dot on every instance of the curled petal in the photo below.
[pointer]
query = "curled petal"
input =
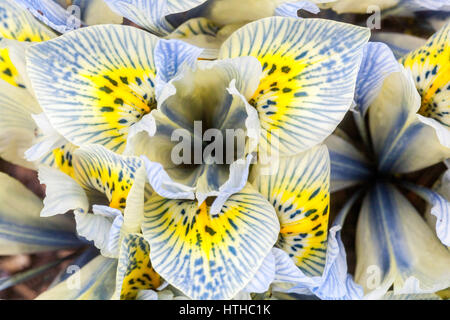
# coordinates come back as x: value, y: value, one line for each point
x: 62, y: 193
x: 17, y: 128
x: 102, y: 227
x: 110, y: 174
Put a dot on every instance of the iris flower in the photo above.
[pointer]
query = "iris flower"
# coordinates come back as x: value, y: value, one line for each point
x: 111, y: 89
x: 402, y: 119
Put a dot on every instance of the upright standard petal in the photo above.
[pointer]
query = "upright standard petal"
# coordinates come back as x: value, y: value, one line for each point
x: 96, y: 82
x: 18, y: 24
x: 309, y: 74
x: 349, y: 166
x: 401, y: 141
x: 299, y: 191
x: 22, y: 230
x: 377, y: 63
x: 210, y: 256
x: 389, y: 252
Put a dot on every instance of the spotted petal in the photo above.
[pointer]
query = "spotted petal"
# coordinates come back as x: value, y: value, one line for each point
x: 22, y: 230
x: 431, y: 73
x: 309, y: 73
x: 388, y: 252
x: 135, y: 271
x: 210, y: 256
x: 95, y: 82
x: 216, y: 93
x: 112, y: 175
x: 18, y: 24
x: 402, y: 142
x: 299, y: 191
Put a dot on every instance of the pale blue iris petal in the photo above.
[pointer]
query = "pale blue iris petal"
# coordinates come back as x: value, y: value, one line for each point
x: 336, y: 282
x: 96, y: 282
x: 348, y: 166
x: 102, y: 227
x: 394, y: 125
x: 440, y: 209
x: 290, y: 9
x: 68, y: 75
x: 151, y: 14
x: 377, y: 63
x: 171, y: 55
x: 389, y: 252
x: 53, y: 15
x: 425, y: 5
x: 237, y: 179
x: 22, y: 230
x: 83, y: 259
x: 264, y: 277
